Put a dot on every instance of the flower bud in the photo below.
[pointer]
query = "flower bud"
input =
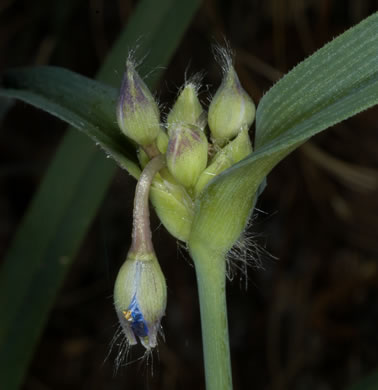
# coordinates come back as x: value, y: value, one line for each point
x: 219, y: 164
x: 161, y: 144
x: 231, y: 109
x: 140, y: 297
x: 187, y: 108
x: 162, y: 141
x: 173, y: 206
x: 240, y: 147
x: 186, y: 154
x: 232, y: 153
x: 137, y: 111
x: 142, y: 157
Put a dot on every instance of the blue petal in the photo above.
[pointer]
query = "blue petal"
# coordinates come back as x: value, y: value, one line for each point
x: 138, y: 323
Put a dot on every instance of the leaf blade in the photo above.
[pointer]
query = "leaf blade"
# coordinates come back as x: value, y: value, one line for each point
x: 280, y: 129
x: 330, y: 74
x: 83, y: 103
x: 86, y: 165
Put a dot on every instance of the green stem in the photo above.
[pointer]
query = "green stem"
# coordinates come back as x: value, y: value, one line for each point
x: 211, y: 279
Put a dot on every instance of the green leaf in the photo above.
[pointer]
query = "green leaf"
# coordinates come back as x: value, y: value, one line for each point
x: 368, y: 383
x: 67, y: 201
x: 338, y: 81
x: 85, y: 104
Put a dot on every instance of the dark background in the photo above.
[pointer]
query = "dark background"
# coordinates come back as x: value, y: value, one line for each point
x: 308, y: 319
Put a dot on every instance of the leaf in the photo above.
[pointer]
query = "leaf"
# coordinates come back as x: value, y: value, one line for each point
x: 67, y: 200
x: 338, y: 81
x: 85, y: 104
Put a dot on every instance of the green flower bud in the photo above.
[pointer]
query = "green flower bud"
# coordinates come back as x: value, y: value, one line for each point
x: 220, y: 164
x: 173, y: 206
x: 137, y: 111
x: 140, y: 297
x: 142, y: 157
x: 186, y: 154
x: 240, y: 147
x: 162, y: 141
x: 187, y: 108
x: 232, y: 153
x: 161, y: 146
x: 231, y: 109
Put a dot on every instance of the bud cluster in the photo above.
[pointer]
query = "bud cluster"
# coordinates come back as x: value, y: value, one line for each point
x: 179, y: 158
x: 190, y: 137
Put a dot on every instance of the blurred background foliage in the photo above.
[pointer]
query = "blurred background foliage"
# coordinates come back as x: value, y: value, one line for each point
x: 308, y: 319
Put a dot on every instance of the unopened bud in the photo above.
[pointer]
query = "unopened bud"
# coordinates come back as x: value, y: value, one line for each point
x: 162, y: 141
x: 140, y: 297
x: 137, y: 111
x: 240, y: 147
x: 142, y: 157
x: 232, y: 153
x: 187, y: 154
x: 231, y: 108
x: 187, y: 108
x: 173, y: 206
x: 218, y: 165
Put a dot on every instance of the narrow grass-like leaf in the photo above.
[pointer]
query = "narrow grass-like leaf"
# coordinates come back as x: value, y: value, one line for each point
x: 85, y: 104
x: 67, y: 201
x: 338, y: 81
x: 333, y: 84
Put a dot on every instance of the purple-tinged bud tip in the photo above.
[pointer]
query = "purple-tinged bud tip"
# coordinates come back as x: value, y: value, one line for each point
x: 137, y: 111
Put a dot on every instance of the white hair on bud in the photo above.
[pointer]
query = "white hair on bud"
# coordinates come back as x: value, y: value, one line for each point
x: 136, y: 61
x: 132, y: 56
x: 120, y: 342
x: 246, y: 253
x: 148, y: 360
x: 224, y: 55
x: 195, y: 80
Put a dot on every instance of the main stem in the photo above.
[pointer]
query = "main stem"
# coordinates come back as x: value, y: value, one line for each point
x: 211, y: 279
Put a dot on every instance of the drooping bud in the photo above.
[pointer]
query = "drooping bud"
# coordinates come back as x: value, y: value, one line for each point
x: 232, y: 153
x: 140, y: 297
x: 187, y: 108
x: 231, y: 108
x: 140, y: 292
x: 137, y: 111
x: 186, y: 154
